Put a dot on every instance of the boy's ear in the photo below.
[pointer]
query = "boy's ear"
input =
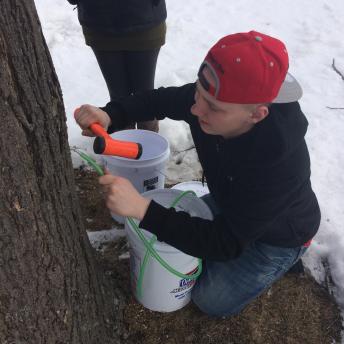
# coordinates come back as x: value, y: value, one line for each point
x: 260, y: 112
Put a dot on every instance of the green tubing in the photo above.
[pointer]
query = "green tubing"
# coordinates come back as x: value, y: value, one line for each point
x: 152, y: 252
x: 175, y: 202
x: 143, y: 268
x: 89, y: 160
x: 149, y: 244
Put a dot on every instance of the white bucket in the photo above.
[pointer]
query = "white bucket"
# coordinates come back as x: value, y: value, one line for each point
x: 162, y: 290
x: 146, y: 173
x: 199, y: 188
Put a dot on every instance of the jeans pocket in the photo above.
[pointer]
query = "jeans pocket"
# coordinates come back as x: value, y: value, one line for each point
x: 281, y: 257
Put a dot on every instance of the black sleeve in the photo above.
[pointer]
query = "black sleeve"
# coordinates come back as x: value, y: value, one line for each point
x: 245, y: 220
x: 73, y: 2
x: 206, y: 239
x: 172, y: 102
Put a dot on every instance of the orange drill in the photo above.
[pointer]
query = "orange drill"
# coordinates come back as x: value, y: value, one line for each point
x: 105, y: 144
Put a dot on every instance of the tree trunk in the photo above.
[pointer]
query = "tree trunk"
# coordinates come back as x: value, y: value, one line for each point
x: 51, y: 290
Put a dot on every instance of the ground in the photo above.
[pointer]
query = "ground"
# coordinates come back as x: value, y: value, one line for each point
x: 294, y: 310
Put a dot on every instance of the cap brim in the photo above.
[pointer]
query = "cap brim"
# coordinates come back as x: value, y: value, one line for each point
x: 290, y: 91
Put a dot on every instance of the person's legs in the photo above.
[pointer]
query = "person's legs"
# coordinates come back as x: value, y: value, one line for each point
x: 141, y: 73
x: 225, y: 288
x: 113, y: 67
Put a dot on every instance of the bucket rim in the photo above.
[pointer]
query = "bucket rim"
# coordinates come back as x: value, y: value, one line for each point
x: 196, y: 186
x: 190, y: 182
x: 165, y: 152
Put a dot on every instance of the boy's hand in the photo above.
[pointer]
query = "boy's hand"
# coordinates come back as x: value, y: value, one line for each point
x: 86, y: 114
x: 122, y: 198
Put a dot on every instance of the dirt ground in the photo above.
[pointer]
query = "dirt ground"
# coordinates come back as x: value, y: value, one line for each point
x: 294, y: 310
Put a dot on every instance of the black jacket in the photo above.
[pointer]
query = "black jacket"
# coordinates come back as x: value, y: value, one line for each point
x: 260, y: 180
x: 120, y: 16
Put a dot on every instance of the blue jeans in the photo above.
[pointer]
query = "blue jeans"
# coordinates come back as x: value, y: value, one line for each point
x: 225, y: 288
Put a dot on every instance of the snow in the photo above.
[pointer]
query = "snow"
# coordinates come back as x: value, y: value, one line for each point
x: 312, y: 33
x: 99, y: 239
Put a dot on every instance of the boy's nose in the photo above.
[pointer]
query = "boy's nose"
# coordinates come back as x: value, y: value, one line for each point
x: 198, y: 109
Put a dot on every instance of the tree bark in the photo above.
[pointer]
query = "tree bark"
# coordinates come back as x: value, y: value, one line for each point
x: 51, y: 290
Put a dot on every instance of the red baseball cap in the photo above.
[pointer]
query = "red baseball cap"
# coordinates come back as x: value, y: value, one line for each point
x: 250, y: 68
